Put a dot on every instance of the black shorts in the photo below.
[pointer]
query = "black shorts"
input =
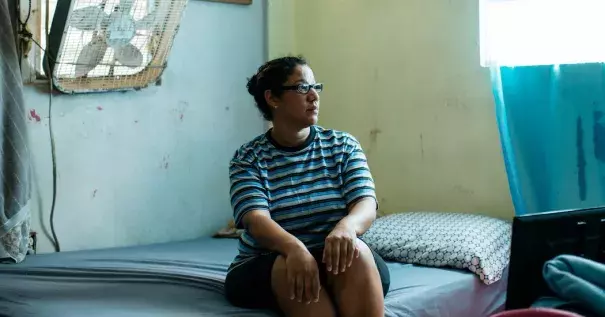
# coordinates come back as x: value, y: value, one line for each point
x: 249, y: 284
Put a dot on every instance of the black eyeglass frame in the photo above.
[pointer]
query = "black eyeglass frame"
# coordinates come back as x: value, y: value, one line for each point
x: 304, y: 88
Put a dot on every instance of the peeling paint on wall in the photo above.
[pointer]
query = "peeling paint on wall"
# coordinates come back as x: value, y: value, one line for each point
x: 34, y: 116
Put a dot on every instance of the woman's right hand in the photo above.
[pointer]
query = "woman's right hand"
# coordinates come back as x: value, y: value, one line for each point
x: 303, y: 275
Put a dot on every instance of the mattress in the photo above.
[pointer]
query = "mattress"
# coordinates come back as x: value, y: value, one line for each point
x: 186, y: 279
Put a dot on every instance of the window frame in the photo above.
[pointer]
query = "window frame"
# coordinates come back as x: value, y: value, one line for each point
x: 32, y: 71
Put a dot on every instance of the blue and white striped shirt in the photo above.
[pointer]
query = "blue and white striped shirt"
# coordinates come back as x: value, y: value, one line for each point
x: 307, y: 189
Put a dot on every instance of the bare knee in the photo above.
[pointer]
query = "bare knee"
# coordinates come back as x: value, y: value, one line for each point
x: 365, y: 254
x: 363, y: 266
x: 362, y: 274
x: 290, y: 307
x: 279, y: 276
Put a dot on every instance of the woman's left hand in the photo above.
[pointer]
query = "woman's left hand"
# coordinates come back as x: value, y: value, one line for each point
x: 340, y: 248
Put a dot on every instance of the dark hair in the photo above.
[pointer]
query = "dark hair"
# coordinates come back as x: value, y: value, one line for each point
x: 271, y: 76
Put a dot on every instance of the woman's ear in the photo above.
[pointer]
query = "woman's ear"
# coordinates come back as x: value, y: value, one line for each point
x: 272, y: 101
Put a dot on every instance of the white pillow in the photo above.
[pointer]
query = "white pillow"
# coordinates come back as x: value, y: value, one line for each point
x: 477, y: 243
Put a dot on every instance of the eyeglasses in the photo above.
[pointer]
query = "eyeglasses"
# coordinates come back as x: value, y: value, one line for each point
x: 304, y: 88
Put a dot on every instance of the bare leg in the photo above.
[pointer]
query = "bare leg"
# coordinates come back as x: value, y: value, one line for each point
x: 293, y: 308
x: 361, y: 275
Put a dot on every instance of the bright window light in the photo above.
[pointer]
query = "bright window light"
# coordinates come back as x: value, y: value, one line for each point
x: 542, y: 32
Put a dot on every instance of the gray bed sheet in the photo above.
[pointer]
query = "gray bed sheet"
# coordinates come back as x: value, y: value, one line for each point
x: 186, y: 279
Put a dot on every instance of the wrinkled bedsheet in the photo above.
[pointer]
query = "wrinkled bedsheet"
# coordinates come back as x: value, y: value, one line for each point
x: 186, y: 279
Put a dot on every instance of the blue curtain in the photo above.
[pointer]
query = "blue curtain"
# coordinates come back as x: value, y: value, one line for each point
x: 552, y: 129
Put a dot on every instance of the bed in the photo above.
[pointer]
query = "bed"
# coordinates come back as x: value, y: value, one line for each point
x: 185, y: 279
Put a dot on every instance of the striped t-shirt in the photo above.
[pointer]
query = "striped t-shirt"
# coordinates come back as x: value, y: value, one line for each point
x: 306, y: 189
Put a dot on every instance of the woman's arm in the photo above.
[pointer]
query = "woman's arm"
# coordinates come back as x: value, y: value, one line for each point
x: 359, y: 189
x: 361, y: 215
x: 251, y: 208
x: 251, y: 211
x: 359, y: 194
x: 269, y: 234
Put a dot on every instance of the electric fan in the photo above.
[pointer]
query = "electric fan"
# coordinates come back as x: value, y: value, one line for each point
x: 100, y: 45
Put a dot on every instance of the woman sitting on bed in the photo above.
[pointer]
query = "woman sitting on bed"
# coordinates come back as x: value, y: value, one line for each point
x: 303, y: 194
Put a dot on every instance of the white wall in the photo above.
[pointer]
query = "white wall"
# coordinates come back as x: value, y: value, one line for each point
x: 151, y: 166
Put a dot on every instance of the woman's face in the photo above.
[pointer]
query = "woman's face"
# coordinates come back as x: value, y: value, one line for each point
x: 295, y: 107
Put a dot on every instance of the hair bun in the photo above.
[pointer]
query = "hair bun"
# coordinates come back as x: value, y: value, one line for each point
x: 271, y: 76
x: 252, y: 85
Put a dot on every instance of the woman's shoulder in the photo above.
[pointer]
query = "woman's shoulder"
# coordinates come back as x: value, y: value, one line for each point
x: 334, y: 136
x: 248, y: 151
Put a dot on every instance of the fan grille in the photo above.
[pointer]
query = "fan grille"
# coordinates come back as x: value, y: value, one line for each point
x: 87, y: 57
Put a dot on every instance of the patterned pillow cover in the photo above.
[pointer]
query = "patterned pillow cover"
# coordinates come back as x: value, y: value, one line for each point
x: 478, y: 243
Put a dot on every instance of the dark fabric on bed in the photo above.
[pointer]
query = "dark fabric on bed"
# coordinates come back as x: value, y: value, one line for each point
x: 186, y: 279
x: 258, y: 272
x: 578, y: 283
x: 557, y: 303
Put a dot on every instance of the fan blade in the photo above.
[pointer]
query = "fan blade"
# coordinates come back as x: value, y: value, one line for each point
x: 125, y: 6
x: 121, y: 30
x: 90, y: 56
x: 87, y: 18
x: 129, y: 55
x: 153, y: 18
x: 146, y: 23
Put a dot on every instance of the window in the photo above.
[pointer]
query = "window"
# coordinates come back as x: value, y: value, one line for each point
x: 52, y: 4
x: 34, y: 12
x: 541, y: 32
x: 33, y: 65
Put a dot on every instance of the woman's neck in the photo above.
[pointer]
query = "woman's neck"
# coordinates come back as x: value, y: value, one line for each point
x: 289, y: 137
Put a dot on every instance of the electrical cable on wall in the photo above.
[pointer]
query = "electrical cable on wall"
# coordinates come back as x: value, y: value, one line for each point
x: 25, y: 34
x: 52, y: 142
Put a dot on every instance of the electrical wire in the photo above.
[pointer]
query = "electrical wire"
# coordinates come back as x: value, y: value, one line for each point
x: 52, y: 136
x: 53, y: 158
x: 27, y: 35
x: 29, y: 12
x: 54, y: 171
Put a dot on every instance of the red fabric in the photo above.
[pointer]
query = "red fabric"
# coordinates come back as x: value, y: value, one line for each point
x: 536, y: 312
